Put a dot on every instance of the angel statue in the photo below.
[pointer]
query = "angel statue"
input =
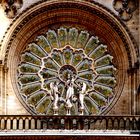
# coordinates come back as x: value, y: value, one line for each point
x: 55, y: 96
x: 81, y: 97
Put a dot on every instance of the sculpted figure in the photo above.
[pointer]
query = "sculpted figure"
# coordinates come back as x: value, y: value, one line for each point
x: 52, y: 90
x: 11, y: 7
x: 69, y: 93
x: 55, y: 96
x: 81, y: 97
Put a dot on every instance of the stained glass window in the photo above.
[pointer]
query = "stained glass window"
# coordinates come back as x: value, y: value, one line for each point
x: 66, y: 72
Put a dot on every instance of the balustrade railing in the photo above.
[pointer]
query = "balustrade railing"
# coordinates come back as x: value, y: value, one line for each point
x: 28, y: 122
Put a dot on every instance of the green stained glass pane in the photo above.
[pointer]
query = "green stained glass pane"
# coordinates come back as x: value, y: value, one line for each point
x: 49, y: 63
x: 77, y: 58
x: 67, y: 55
x: 91, y: 45
x: 98, y: 52
x: 52, y: 38
x: 105, y: 60
x: 85, y: 65
x: 82, y: 39
x: 108, y: 70
x: 47, y: 74
x: 30, y: 89
x: 42, y: 107
x: 26, y: 68
x: 43, y: 42
x: 99, y: 101
x: 104, y: 90
x: 62, y: 36
x: 29, y: 78
x: 36, y: 50
x: 34, y: 99
x: 73, y: 33
x: 87, y: 76
x: 27, y: 57
x: 57, y: 56
x: 91, y: 108
x: 109, y: 81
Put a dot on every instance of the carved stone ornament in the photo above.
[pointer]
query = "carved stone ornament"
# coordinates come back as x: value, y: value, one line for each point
x: 11, y: 7
x: 125, y: 8
x: 67, y: 72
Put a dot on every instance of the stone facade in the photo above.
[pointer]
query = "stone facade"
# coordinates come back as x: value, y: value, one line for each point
x: 122, y: 39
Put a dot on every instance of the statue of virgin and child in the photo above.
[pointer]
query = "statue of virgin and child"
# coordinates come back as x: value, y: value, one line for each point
x: 70, y: 95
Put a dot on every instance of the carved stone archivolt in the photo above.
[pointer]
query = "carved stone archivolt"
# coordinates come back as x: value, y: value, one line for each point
x: 11, y: 7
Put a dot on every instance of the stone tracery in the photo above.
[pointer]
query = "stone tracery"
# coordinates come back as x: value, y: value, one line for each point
x: 55, y: 58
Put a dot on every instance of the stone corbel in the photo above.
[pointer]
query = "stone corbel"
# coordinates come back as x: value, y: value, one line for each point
x: 125, y: 8
x: 11, y: 7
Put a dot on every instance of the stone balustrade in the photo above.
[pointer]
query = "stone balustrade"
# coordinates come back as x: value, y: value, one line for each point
x: 42, y: 122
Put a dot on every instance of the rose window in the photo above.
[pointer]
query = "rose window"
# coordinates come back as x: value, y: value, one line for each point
x: 66, y: 72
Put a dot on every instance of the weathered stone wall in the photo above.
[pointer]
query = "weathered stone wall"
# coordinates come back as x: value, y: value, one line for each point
x: 9, y: 102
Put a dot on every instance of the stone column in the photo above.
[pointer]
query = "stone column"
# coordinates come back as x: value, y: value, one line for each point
x: 133, y: 72
x: 3, y: 89
x: 5, y: 71
x: 137, y: 88
x: 136, y: 85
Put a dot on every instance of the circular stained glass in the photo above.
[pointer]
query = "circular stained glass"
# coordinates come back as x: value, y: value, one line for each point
x: 66, y: 72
